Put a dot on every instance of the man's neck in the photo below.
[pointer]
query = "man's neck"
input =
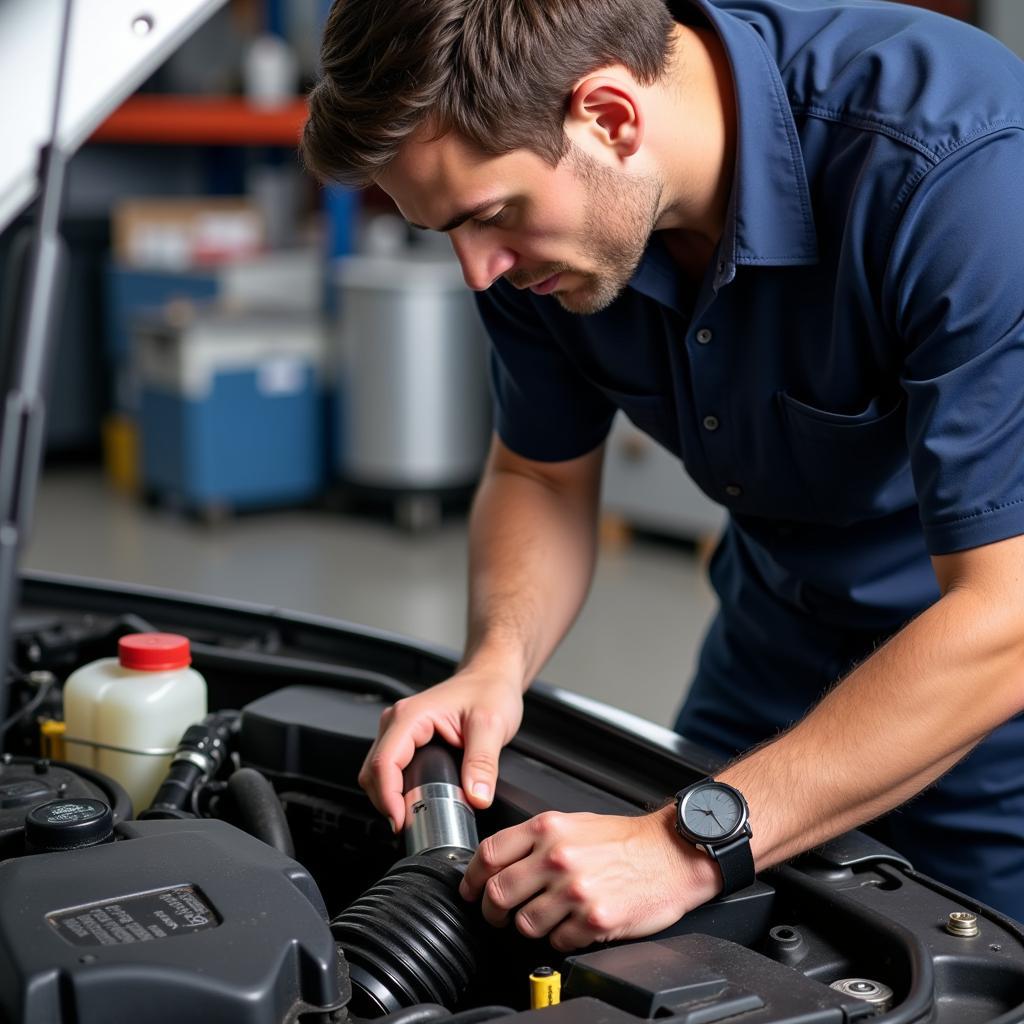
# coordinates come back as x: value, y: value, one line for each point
x: 697, y: 144
x: 691, y: 252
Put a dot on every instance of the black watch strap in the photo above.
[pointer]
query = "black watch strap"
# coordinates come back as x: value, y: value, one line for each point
x: 736, y: 863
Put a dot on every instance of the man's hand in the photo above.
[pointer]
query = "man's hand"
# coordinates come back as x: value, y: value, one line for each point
x: 470, y: 710
x: 588, y: 878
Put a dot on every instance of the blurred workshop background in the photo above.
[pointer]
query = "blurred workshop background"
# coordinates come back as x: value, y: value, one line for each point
x: 274, y: 392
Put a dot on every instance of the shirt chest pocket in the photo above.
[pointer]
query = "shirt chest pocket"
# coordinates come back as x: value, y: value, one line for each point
x: 852, y: 466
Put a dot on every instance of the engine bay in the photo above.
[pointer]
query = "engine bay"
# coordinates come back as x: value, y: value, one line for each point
x: 260, y: 885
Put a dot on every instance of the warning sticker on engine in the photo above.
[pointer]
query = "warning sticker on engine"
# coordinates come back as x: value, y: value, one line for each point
x: 182, y: 910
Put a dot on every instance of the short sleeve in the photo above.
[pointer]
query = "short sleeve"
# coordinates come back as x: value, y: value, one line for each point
x: 545, y: 409
x: 956, y: 292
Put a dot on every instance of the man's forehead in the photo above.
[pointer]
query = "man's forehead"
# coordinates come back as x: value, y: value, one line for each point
x: 425, y: 161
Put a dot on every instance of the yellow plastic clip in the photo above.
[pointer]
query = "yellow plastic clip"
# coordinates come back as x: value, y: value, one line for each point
x: 545, y: 988
x: 51, y: 739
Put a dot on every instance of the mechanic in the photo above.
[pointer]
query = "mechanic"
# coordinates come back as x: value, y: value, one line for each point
x: 786, y: 238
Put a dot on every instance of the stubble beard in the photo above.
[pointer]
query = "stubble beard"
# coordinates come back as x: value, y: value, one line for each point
x: 621, y: 213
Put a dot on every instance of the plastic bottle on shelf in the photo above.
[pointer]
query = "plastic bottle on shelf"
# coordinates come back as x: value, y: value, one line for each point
x: 139, y: 703
x: 271, y: 72
x: 271, y: 78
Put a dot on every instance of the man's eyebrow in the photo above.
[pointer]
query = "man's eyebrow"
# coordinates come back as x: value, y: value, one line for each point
x: 459, y: 219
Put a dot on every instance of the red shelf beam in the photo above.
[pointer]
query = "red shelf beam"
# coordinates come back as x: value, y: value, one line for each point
x: 202, y: 120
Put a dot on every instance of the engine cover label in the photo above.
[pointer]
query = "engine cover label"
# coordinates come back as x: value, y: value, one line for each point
x: 181, y: 910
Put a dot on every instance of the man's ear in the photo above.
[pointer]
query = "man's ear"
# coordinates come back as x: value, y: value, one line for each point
x: 607, y: 111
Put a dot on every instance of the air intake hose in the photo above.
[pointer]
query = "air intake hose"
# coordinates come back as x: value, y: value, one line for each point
x: 412, y: 938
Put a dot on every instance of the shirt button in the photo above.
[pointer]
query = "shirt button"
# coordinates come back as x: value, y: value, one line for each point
x: 734, y: 491
x: 710, y: 422
x: 704, y: 336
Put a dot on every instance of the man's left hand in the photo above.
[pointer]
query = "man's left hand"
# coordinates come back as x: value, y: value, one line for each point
x: 585, y: 878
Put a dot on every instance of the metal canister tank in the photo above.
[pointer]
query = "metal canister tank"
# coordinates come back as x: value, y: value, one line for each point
x: 413, y: 411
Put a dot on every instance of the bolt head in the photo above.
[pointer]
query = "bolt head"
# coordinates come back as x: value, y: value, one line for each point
x: 962, y: 924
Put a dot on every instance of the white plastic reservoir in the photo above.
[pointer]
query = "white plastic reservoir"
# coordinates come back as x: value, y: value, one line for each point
x: 128, y: 713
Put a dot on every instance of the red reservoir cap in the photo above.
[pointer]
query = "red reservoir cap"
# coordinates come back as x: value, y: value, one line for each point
x: 154, y: 652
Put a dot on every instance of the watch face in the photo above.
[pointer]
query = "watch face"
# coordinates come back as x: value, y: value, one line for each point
x: 712, y: 812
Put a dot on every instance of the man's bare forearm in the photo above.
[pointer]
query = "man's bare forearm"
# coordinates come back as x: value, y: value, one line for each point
x: 891, y: 728
x: 532, y: 552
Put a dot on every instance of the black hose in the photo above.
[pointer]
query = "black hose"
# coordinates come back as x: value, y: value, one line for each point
x: 201, y: 751
x: 259, y: 809
x: 432, y: 763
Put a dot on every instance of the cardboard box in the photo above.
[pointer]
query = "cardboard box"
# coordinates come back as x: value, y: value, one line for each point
x: 182, y: 233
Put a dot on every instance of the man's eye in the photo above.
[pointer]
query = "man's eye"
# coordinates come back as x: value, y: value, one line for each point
x: 492, y: 222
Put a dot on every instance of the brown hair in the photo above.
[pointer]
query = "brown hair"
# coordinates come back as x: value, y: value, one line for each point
x: 497, y: 72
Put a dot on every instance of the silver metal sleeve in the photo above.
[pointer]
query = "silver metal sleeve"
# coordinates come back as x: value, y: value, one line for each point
x: 437, y: 816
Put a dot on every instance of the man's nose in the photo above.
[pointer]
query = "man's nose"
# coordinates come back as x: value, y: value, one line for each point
x: 483, y: 262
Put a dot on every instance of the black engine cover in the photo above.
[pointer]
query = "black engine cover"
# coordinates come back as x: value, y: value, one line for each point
x: 177, y: 920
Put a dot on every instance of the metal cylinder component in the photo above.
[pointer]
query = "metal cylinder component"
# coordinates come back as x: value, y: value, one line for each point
x: 873, y: 992
x: 437, y: 813
x: 962, y: 924
x: 437, y: 817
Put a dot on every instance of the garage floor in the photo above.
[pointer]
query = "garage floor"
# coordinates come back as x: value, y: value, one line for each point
x: 633, y: 646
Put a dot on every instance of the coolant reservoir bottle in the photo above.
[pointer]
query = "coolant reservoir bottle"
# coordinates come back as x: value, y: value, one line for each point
x: 125, y: 715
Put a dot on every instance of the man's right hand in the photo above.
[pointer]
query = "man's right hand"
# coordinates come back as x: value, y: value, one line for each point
x: 472, y: 710
x: 533, y: 539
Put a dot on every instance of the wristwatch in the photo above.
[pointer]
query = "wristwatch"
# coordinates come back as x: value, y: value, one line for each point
x: 714, y: 817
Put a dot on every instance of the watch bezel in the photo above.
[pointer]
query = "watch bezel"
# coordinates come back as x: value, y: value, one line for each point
x: 740, y: 828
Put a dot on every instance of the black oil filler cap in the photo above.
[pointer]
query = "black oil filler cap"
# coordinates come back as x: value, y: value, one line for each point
x: 68, y: 825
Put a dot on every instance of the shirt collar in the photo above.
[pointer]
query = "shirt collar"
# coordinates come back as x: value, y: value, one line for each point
x: 769, y: 220
x: 658, y: 277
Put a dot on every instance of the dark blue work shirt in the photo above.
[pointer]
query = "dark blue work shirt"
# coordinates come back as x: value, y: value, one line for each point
x: 849, y: 380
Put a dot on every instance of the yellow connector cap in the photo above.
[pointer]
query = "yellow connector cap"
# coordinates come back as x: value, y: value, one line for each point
x: 51, y: 739
x: 545, y: 988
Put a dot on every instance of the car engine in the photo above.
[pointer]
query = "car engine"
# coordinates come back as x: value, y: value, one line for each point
x: 261, y: 887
